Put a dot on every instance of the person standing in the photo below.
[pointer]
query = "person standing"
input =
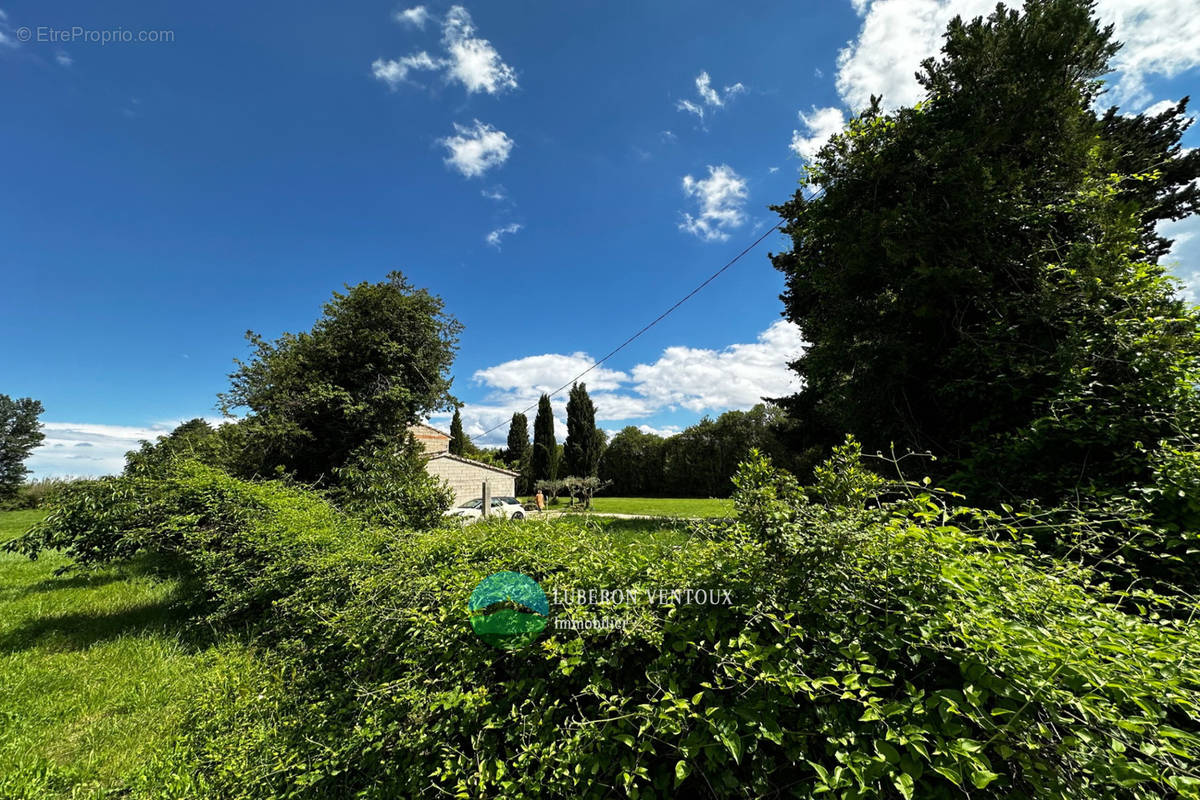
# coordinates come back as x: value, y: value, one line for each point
x: 540, y: 499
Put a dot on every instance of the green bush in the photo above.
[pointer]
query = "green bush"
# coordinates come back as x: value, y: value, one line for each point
x: 881, y: 642
x: 874, y: 648
x: 390, y: 487
x: 245, y: 544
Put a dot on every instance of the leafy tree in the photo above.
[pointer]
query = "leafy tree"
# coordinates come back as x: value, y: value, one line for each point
x: 544, y: 459
x: 458, y: 440
x: 377, y: 361
x: 517, y: 454
x: 584, y: 441
x: 20, y: 433
x: 194, y: 439
x: 386, y: 484
x: 633, y: 463
x: 979, y: 278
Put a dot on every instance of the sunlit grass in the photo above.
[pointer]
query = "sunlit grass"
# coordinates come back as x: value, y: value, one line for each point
x: 663, y: 506
x: 94, y: 671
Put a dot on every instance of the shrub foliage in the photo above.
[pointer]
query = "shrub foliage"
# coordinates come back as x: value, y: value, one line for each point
x: 881, y: 641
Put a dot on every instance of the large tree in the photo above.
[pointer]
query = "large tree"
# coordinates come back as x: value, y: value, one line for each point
x: 376, y: 361
x: 978, y: 277
x: 584, y: 441
x: 20, y: 433
x: 517, y: 454
x: 544, y: 459
x: 633, y: 462
x: 458, y: 439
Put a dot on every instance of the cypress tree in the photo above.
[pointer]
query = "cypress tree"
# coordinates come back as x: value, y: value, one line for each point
x: 518, y: 449
x: 545, y: 447
x: 458, y: 439
x: 584, y: 441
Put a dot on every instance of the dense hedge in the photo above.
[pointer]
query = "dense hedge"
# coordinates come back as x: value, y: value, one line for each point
x: 873, y: 649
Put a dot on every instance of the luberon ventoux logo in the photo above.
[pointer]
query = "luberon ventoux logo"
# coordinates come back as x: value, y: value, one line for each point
x: 508, y: 610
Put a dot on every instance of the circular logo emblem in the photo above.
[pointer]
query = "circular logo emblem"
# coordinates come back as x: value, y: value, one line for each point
x: 508, y: 610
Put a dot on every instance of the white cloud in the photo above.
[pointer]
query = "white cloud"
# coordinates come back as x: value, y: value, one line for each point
x: 416, y: 16
x: 63, y: 59
x: 1160, y: 39
x: 473, y: 61
x: 692, y: 379
x: 737, y: 377
x: 468, y: 59
x: 709, y: 97
x: 611, y: 405
x: 495, y: 236
x: 532, y: 376
x: 496, y: 193
x: 395, y: 71
x: 476, y: 149
x: 721, y: 197
x: 896, y: 35
x: 1159, y: 107
x: 819, y: 126
x: 665, y: 432
x: 88, y: 449
x: 1184, y: 258
x: 690, y: 107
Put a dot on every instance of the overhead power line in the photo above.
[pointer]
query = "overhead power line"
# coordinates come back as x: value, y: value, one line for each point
x: 653, y: 322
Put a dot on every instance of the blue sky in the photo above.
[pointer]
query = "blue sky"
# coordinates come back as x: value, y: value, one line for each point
x: 558, y: 173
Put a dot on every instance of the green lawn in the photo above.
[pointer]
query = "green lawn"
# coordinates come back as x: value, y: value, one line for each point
x: 661, y: 506
x: 94, y: 670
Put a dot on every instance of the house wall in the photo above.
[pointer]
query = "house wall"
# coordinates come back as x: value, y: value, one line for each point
x: 466, y: 480
x: 433, y: 441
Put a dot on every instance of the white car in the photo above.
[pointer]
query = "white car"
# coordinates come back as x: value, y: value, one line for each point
x: 506, y: 507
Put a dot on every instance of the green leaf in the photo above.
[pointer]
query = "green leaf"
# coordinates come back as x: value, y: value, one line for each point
x: 982, y: 777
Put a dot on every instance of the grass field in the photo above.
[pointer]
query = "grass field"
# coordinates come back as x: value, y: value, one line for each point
x: 93, y: 671
x: 662, y: 506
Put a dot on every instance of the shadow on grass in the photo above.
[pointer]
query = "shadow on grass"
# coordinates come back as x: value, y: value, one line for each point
x: 72, y: 576
x: 173, y: 614
x: 82, y: 630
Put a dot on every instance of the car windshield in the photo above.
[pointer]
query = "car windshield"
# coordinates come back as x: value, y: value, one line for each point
x: 472, y: 504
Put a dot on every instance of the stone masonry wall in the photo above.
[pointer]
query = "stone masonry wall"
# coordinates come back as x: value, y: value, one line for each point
x: 467, y: 479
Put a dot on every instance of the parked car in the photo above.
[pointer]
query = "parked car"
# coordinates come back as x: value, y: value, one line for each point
x: 506, y: 507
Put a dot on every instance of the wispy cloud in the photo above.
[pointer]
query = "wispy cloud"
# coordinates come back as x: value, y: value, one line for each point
x: 63, y: 59
x: 495, y: 236
x: 467, y: 58
x: 7, y: 37
x: 721, y: 197
x: 395, y: 72
x: 416, y: 16
x: 709, y: 98
x: 474, y: 149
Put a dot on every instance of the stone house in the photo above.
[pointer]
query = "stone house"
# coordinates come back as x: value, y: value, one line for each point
x: 464, y: 475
